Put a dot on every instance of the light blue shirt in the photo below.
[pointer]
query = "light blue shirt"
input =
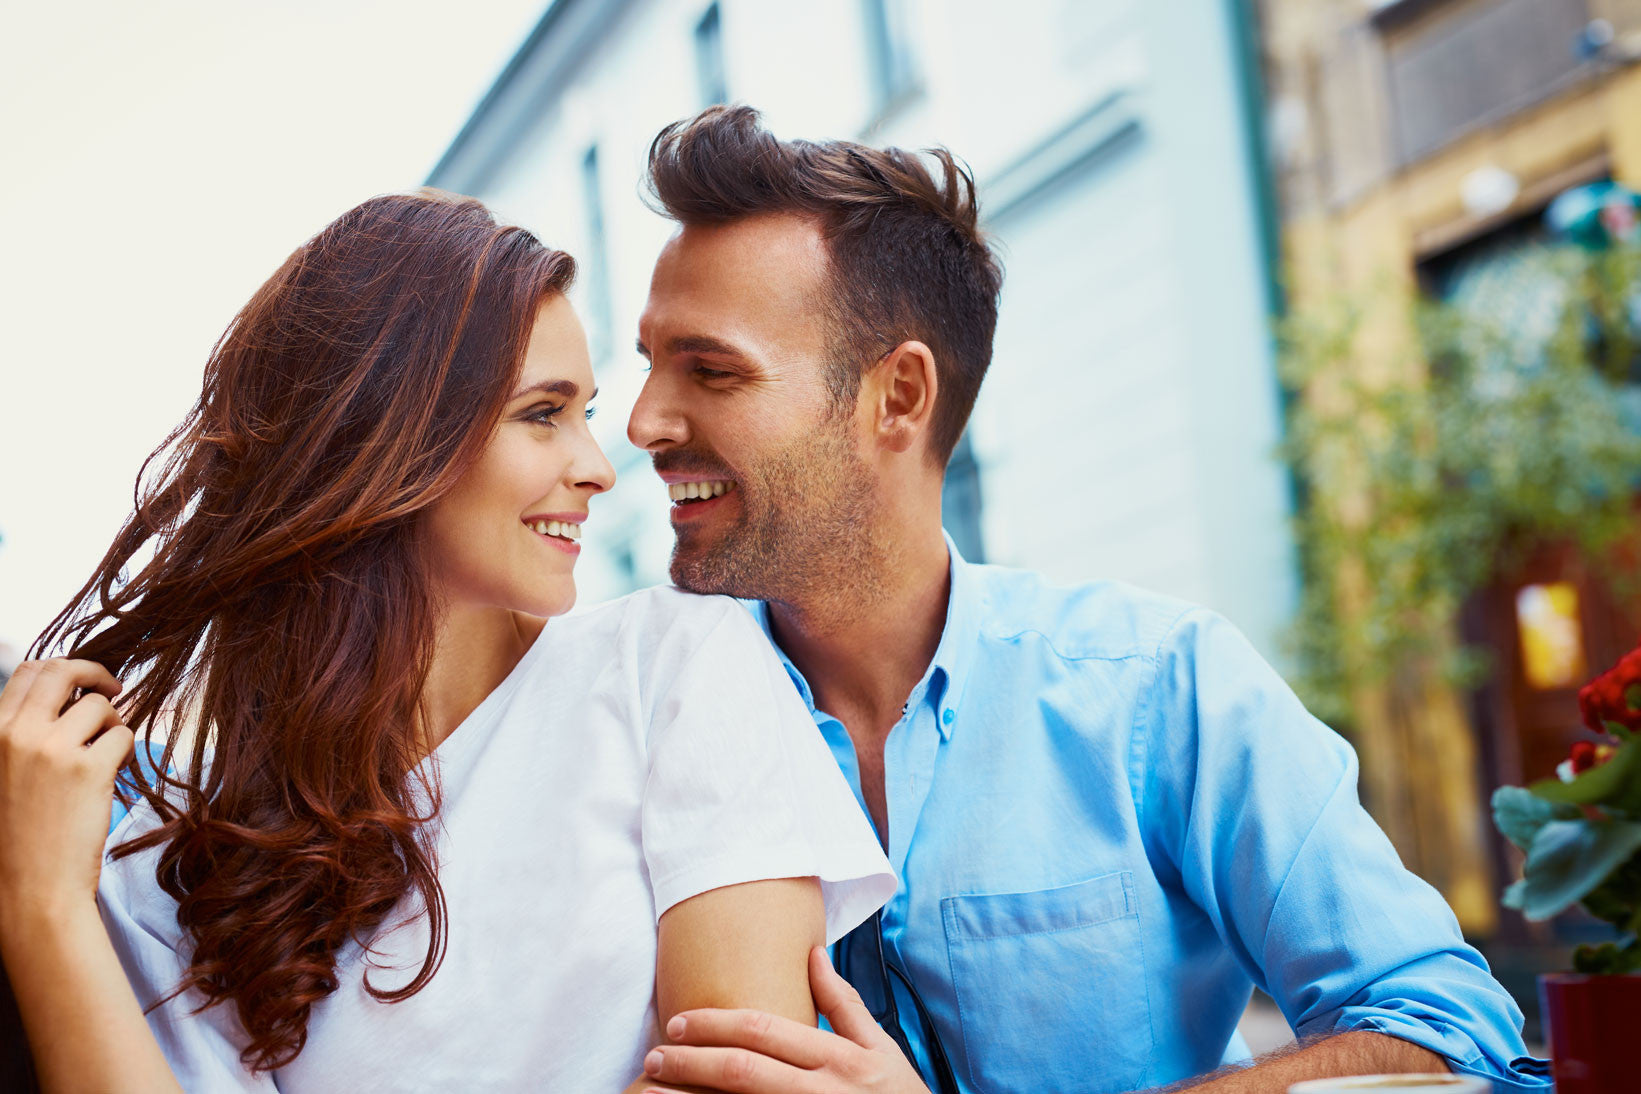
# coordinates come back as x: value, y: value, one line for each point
x: 1110, y: 819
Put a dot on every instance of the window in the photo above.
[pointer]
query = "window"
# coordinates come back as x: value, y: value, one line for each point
x: 709, y: 58
x: 596, y: 263
x: 1453, y: 66
x: 960, y: 502
x: 888, y: 45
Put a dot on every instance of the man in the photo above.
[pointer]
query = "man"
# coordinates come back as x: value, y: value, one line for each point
x: 1109, y: 816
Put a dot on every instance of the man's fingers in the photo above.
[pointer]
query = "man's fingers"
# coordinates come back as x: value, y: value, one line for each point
x: 836, y: 998
x: 768, y: 1034
x: 731, y: 1070
x: 53, y: 684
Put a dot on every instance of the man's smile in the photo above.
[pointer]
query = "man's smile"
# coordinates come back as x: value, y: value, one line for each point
x: 695, y: 499
x: 703, y: 491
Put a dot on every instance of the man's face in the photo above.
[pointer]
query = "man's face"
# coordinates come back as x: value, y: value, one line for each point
x: 736, y: 410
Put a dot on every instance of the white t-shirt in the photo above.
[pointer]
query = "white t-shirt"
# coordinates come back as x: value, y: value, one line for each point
x: 640, y: 753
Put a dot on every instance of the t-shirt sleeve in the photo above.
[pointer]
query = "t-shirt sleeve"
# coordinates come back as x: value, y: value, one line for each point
x: 202, y: 1049
x: 741, y: 786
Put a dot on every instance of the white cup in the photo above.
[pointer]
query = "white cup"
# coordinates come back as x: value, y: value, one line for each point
x: 1435, y: 1083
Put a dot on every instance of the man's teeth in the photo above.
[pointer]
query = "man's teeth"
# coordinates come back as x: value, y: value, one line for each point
x: 682, y: 491
x: 561, y: 528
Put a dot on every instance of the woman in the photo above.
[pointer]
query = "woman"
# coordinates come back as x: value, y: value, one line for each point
x: 419, y: 838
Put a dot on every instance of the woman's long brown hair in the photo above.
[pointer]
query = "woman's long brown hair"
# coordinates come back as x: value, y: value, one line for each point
x: 281, y: 604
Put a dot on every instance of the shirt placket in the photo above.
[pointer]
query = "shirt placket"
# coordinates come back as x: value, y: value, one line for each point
x: 908, y: 771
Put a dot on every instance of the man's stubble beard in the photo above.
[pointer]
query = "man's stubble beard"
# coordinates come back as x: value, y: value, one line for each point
x: 806, y: 533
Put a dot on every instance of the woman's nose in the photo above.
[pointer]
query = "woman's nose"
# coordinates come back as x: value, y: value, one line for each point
x: 594, y: 471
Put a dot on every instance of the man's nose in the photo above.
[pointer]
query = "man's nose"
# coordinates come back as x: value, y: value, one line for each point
x: 657, y: 421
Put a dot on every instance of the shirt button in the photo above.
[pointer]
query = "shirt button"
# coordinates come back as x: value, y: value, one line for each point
x: 949, y: 716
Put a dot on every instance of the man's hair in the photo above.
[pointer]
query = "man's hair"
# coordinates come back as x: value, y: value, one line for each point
x: 907, y: 258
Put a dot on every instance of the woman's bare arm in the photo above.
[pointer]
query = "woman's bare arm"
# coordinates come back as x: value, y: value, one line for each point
x: 83, y: 1021
x: 58, y: 759
x: 742, y: 947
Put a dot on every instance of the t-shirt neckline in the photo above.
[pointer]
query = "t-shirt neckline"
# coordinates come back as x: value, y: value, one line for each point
x: 459, y: 743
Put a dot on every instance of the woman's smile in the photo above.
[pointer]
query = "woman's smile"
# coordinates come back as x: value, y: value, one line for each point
x: 562, y: 530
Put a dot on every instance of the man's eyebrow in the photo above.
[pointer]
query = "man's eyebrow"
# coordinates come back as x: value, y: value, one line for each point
x: 704, y: 343
x: 696, y: 343
x: 566, y: 388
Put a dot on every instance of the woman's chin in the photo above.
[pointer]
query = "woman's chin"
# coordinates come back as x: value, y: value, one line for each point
x: 557, y: 602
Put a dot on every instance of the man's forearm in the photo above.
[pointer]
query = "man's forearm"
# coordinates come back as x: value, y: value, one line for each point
x: 1358, y: 1053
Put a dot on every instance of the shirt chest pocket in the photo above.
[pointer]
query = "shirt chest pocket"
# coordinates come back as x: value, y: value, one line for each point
x: 1051, y: 987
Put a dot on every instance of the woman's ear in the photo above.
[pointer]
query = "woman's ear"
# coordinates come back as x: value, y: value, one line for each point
x: 904, y: 390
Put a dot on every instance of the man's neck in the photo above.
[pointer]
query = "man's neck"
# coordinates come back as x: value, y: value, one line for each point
x: 862, y: 654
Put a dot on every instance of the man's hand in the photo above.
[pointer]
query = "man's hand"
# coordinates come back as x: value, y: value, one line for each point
x: 750, y: 1052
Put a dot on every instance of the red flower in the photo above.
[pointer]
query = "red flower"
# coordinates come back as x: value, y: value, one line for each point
x: 1585, y: 755
x: 1614, y: 696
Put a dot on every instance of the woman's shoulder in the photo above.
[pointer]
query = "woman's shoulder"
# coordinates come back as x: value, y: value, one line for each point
x: 128, y: 888
x: 654, y: 634
x: 660, y: 611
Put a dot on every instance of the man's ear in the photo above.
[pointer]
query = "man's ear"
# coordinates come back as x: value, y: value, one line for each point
x: 904, y: 386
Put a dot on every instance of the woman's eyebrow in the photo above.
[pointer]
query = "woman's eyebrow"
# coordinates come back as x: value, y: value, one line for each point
x: 566, y: 388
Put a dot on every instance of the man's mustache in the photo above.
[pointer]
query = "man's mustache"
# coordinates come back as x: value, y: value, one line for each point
x: 686, y: 462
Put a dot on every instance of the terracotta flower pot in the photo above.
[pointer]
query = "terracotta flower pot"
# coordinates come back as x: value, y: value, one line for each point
x: 1591, y: 1028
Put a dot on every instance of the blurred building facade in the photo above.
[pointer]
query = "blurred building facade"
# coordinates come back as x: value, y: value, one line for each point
x: 1416, y: 145
x: 1129, y: 425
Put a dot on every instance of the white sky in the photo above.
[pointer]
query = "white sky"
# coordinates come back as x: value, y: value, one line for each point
x: 158, y: 160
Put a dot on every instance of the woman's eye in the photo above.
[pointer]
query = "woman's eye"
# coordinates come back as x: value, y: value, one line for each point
x: 590, y: 412
x: 544, y: 414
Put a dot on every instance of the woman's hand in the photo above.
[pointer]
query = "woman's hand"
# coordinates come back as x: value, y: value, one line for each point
x: 58, y: 760
x: 59, y: 756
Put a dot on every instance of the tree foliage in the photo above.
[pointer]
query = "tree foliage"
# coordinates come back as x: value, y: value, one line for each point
x: 1426, y: 479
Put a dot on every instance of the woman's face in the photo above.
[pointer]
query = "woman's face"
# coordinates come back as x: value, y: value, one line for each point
x: 507, y: 536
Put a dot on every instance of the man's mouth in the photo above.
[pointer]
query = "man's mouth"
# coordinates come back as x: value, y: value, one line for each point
x: 691, y: 493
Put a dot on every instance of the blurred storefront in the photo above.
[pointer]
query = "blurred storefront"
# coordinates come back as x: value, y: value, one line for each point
x: 1129, y: 425
x: 1418, y: 145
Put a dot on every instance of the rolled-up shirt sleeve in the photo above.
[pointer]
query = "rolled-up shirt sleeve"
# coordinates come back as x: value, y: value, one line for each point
x: 1255, y: 801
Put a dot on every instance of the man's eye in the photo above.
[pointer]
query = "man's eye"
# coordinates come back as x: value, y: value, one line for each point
x: 711, y: 373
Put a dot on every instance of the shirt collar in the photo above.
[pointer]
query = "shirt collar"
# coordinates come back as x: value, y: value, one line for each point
x: 943, y: 684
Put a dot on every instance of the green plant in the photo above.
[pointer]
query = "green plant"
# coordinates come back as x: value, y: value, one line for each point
x: 1425, y: 479
x: 1581, y: 830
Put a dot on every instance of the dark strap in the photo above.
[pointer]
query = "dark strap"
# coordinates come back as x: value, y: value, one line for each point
x: 945, y: 1079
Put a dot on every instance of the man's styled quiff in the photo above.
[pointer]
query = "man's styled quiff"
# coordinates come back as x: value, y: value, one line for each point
x: 907, y: 259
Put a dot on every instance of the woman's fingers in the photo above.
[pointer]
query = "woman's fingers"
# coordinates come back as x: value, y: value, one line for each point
x: 113, y: 748
x: 11, y: 696
x: 53, y: 683
x: 87, y: 718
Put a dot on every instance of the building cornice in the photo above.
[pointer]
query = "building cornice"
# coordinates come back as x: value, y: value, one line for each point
x: 540, y: 68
